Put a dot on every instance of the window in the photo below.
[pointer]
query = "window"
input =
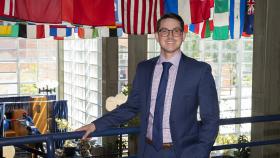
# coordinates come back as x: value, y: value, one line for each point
x: 82, y: 80
x: 25, y: 62
x: 123, y: 61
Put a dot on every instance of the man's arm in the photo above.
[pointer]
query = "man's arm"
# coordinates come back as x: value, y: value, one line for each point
x: 209, y: 113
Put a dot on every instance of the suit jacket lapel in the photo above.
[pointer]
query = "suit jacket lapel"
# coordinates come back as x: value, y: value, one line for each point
x: 178, y: 88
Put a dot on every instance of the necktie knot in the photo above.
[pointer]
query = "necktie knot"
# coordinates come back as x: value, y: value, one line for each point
x: 166, y: 65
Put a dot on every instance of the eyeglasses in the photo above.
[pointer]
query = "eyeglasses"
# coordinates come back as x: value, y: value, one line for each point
x: 176, y: 32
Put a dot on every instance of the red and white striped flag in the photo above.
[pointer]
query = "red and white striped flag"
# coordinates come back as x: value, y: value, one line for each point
x: 7, y: 7
x: 35, y: 31
x: 140, y: 16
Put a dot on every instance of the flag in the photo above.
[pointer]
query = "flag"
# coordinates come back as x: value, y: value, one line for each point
x: 191, y: 11
x: 94, y: 12
x: 60, y: 31
x: 9, y: 30
x: 194, y: 28
x: 103, y: 31
x: 118, y: 12
x: 7, y: 8
x: 119, y: 32
x: 186, y: 28
x: 87, y: 33
x: 47, y: 30
x: 113, y: 31
x: 67, y: 10
x: 45, y: 11
x: 221, y: 20
x: 249, y: 17
x: 202, y: 29
x: 32, y: 31
x: 236, y: 18
x: 140, y: 16
x: 205, y: 32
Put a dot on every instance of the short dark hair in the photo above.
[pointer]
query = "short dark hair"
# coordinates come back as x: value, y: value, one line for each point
x: 171, y: 16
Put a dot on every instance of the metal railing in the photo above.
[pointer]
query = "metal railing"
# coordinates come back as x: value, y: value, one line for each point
x: 51, y: 138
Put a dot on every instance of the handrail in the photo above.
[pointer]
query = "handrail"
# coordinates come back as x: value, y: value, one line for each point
x: 249, y: 144
x: 50, y: 138
x: 253, y: 119
x: 64, y: 136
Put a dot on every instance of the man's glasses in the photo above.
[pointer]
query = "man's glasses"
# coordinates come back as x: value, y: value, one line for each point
x: 176, y: 32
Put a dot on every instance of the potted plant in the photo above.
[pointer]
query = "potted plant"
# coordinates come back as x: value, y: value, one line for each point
x: 243, y: 152
x: 69, y: 146
x: 233, y: 139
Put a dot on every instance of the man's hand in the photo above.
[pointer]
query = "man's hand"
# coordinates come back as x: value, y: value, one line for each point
x: 88, y: 128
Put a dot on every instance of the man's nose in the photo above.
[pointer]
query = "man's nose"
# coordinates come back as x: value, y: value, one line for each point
x: 170, y: 33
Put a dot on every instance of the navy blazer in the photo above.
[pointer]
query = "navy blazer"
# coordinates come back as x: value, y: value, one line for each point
x: 194, y: 88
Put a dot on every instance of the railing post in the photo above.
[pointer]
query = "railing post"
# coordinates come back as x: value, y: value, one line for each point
x: 2, y: 112
x: 50, y: 147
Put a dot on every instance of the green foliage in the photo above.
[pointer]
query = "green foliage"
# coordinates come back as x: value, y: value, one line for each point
x: 126, y: 89
x: 136, y: 120
x: 234, y: 139
x: 242, y: 152
x: 28, y: 89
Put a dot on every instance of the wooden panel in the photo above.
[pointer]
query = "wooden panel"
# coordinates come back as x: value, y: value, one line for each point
x: 40, y: 114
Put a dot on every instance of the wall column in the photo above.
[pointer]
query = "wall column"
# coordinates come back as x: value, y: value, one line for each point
x: 266, y: 76
x: 109, y: 77
x: 137, y: 51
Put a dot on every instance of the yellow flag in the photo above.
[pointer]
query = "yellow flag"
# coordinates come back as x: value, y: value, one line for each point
x: 5, y: 30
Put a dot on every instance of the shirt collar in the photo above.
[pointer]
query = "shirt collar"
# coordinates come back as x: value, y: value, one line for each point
x: 174, y: 60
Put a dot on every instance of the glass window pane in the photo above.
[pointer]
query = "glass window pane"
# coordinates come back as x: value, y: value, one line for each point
x: 123, y: 44
x: 123, y: 73
x: 7, y: 44
x: 28, y: 72
x: 8, y: 77
x: 8, y: 55
x: 94, y: 71
x: 6, y: 89
x: 47, y: 70
x: 92, y: 110
x: 94, y: 58
x: 8, y: 67
x: 28, y: 89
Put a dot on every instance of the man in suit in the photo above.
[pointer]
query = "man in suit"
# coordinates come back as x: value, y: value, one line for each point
x: 167, y: 92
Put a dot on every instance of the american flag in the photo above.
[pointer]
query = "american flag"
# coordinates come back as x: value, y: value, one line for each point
x: 140, y: 16
x: 9, y: 7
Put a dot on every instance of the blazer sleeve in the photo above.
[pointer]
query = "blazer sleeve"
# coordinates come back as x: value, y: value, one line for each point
x: 209, y: 114
x: 125, y: 111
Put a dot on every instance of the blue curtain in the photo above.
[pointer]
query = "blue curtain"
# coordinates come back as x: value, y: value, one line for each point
x: 51, y: 97
x: 60, y: 110
x: 1, y: 120
x: 11, y: 107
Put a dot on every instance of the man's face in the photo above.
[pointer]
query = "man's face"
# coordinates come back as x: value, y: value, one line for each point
x: 170, y: 36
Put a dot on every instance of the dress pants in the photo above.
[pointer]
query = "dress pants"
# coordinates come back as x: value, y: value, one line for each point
x: 150, y: 152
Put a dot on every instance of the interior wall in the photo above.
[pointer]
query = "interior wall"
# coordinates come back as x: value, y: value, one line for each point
x: 266, y: 76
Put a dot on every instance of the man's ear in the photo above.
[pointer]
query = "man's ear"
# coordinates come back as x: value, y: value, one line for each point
x: 156, y: 36
x: 184, y: 35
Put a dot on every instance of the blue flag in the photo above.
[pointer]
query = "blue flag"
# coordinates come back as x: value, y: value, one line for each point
x: 249, y: 17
